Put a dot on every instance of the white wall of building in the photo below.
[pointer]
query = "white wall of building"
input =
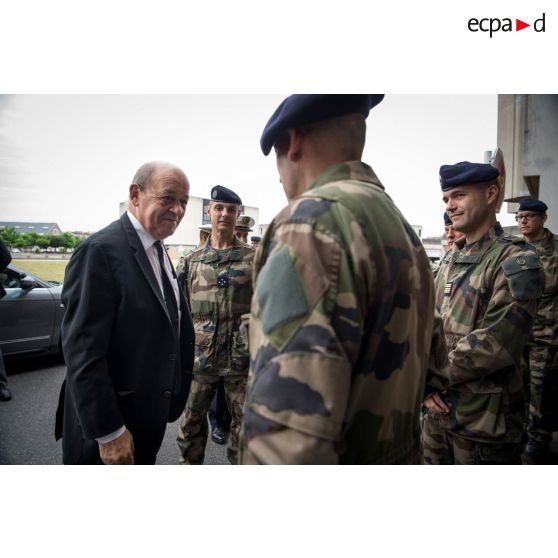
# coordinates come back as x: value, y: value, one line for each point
x: 418, y: 230
x: 188, y: 231
x: 528, y: 137
x: 541, y: 151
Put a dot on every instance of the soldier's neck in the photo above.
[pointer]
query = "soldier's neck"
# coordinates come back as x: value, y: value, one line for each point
x: 479, y: 232
x: 221, y: 240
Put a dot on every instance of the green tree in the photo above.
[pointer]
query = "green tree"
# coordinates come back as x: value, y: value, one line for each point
x: 69, y: 240
x: 29, y: 239
x: 43, y: 241
x: 9, y: 236
x: 55, y: 240
x: 19, y: 242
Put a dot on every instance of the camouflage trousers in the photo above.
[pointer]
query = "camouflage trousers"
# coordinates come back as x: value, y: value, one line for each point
x: 542, y: 361
x: 193, y: 429
x: 441, y: 447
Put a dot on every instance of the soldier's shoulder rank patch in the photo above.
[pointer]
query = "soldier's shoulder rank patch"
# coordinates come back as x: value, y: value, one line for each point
x: 447, y: 288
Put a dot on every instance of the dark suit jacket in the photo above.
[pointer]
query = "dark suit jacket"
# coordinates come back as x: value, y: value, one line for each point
x: 125, y: 363
x: 5, y: 259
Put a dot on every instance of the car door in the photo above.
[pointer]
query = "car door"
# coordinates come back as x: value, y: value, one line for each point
x: 26, y: 316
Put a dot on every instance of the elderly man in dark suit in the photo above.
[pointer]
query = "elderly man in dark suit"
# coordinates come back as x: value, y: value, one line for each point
x: 5, y: 259
x: 127, y: 333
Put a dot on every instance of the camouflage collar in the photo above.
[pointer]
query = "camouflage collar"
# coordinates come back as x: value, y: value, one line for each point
x: 546, y: 247
x: 209, y: 253
x: 352, y: 170
x: 479, y: 248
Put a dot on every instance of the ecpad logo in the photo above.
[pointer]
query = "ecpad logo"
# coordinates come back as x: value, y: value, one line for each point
x: 494, y: 24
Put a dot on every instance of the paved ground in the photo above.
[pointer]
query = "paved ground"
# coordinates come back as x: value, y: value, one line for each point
x: 27, y: 421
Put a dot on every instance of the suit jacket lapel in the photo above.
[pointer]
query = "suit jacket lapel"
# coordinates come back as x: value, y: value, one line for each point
x: 143, y: 261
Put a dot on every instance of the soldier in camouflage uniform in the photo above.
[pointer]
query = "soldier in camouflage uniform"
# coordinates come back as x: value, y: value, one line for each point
x: 487, y: 295
x: 451, y: 234
x: 343, y: 308
x: 542, y: 349
x: 220, y: 288
x: 242, y: 228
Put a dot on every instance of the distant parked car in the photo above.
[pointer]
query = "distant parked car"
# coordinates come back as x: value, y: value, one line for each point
x: 30, y: 313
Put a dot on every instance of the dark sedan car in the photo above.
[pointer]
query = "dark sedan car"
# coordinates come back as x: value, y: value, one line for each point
x: 30, y: 313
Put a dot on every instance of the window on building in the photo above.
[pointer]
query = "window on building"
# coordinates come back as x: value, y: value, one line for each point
x: 205, y: 216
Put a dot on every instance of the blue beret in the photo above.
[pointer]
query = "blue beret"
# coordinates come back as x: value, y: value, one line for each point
x: 532, y: 205
x: 466, y: 173
x: 298, y: 110
x: 220, y: 193
x: 256, y: 238
x: 447, y: 220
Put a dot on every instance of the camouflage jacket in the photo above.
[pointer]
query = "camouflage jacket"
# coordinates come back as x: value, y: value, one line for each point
x: 220, y: 290
x: 487, y: 295
x: 545, y: 329
x: 340, y: 329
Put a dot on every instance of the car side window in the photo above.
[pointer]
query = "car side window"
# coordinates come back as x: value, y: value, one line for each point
x: 10, y: 280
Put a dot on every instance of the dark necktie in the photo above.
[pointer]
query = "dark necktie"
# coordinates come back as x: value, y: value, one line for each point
x: 170, y: 298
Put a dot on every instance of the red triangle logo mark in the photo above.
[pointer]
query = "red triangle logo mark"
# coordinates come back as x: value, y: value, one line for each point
x: 519, y: 25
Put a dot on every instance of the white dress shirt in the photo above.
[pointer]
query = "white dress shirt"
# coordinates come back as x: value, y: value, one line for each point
x: 148, y: 242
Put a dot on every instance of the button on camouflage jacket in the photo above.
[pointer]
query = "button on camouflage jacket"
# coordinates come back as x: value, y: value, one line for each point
x: 220, y: 290
x: 340, y: 331
x: 487, y: 295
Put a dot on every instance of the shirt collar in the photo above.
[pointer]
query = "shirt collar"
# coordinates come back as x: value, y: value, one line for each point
x: 146, y: 239
x: 351, y: 170
x: 479, y: 247
x: 234, y: 253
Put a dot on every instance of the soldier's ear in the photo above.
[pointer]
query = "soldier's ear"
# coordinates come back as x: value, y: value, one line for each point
x: 296, y: 138
x: 492, y: 193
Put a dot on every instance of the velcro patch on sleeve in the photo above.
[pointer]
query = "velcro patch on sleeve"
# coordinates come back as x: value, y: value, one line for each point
x: 279, y: 292
x: 524, y: 279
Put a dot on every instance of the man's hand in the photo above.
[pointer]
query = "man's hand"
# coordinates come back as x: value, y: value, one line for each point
x: 435, y: 404
x: 118, y: 452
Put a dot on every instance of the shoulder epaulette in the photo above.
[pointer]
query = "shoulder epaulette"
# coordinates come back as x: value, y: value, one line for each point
x: 512, y: 239
x: 195, y: 252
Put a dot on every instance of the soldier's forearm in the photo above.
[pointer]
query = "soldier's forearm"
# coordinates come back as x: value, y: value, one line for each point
x: 477, y: 356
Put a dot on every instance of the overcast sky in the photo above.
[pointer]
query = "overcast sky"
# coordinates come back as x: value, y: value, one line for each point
x: 69, y: 159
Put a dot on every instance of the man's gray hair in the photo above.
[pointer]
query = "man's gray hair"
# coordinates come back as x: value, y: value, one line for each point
x: 145, y: 173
